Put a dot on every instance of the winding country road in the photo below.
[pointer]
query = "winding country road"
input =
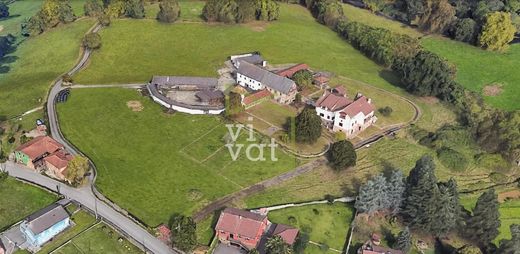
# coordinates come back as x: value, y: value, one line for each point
x: 87, y: 196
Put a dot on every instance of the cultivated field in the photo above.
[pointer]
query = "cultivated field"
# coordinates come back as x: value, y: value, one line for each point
x: 36, y: 63
x: 19, y: 200
x: 325, y: 224
x: 154, y: 164
x: 478, y: 68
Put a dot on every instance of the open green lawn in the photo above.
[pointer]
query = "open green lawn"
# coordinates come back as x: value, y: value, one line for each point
x: 478, y: 68
x: 200, y: 49
x: 39, y: 61
x: 19, y: 11
x: 154, y: 164
x: 19, y: 200
x: 99, y: 239
x: 366, y: 17
x: 325, y: 223
x: 509, y: 214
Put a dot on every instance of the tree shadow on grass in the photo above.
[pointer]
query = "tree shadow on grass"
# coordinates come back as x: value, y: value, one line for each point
x: 10, y: 17
x: 391, y: 77
x: 8, y: 59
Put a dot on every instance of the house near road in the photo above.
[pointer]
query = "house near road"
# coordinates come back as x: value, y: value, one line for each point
x: 257, y: 78
x: 44, y: 154
x: 44, y: 225
x: 250, y: 230
x: 340, y: 113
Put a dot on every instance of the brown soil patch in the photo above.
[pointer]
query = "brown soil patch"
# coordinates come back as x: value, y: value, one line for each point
x: 135, y: 106
x: 430, y: 100
x: 257, y: 26
x: 510, y: 194
x: 492, y: 89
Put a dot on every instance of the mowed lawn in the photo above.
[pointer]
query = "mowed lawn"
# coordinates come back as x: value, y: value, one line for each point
x: 153, y: 164
x: 18, y: 200
x: 325, y: 223
x: 37, y: 62
x: 18, y: 11
x: 200, y: 49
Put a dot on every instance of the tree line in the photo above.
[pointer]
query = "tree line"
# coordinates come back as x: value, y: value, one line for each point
x: 490, y: 24
x: 240, y: 11
x: 424, y: 73
x: 427, y: 205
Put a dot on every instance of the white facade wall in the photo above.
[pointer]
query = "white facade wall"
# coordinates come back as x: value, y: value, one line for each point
x: 186, y: 110
x: 348, y: 125
x: 249, y: 82
x: 325, y: 114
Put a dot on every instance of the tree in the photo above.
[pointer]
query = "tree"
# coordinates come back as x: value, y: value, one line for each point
x: 403, y: 241
x: 497, y: 32
x: 169, y: 11
x: 511, y: 246
x: 308, y: 126
x: 6, y: 44
x: 342, y: 155
x: 439, y: 14
x: 396, y: 189
x: 301, y: 242
x: 134, y: 9
x: 234, y: 104
x: 253, y: 251
x: 447, y: 208
x: 468, y: 249
x: 50, y: 15
x: 183, y: 232
x: 240, y: 11
x: 76, y: 169
x: 303, y: 78
x: 386, y: 111
x: 4, y: 10
x: 465, y: 30
x: 483, y: 225
x: 276, y: 245
x: 92, y: 41
x: 93, y: 8
x: 104, y: 20
x: 373, y: 196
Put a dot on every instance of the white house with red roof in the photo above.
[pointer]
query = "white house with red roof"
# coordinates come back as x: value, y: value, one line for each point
x: 339, y: 113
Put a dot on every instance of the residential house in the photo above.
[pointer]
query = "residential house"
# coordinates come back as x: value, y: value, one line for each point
x: 252, y: 58
x: 256, y: 78
x: 45, y: 224
x: 373, y: 247
x: 289, y: 72
x: 287, y: 233
x: 340, y: 113
x: 44, y: 153
x: 241, y: 228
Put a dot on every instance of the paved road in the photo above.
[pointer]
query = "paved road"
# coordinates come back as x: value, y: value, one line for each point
x: 86, y: 198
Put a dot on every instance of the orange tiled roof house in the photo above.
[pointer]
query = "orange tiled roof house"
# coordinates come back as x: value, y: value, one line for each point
x: 44, y: 153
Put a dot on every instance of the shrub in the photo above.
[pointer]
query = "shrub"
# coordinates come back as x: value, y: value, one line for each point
x: 292, y: 220
x: 104, y: 20
x: 386, y: 111
x: 169, y: 11
x: 342, y: 155
x: 452, y: 159
x: 303, y: 78
x: 3, y: 175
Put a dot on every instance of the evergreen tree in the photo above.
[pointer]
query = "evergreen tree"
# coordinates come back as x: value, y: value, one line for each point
x: 4, y: 10
x: 483, y: 226
x: 421, y: 197
x: 373, y: 196
x: 308, y: 126
x: 134, y: 9
x: 169, y: 11
x: 341, y: 154
x: 183, y: 232
x: 403, y: 241
x: 448, y: 208
x: 396, y: 189
x: 511, y: 246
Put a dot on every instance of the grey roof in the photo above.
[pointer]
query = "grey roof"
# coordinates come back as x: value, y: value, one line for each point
x: 155, y: 92
x: 179, y: 81
x: 207, y: 95
x: 46, y: 218
x: 267, y: 78
x: 253, y: 59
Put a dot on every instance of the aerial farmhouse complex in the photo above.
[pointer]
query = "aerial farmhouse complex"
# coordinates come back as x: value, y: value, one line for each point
x: 340, y: 113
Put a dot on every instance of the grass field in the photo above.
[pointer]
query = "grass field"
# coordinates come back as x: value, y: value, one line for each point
x: 99, y: 239
x: 37, y: 63
x: 19, y: 200
x: 171, y: 163
x: 509, y: 214
x: 325, y: 224
x: 366, y: 17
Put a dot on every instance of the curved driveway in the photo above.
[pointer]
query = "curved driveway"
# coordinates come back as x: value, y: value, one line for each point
x: 87, y: 196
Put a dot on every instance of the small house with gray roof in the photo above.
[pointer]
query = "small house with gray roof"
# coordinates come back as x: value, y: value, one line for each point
x: 42, y: 226
x: 257, y: 78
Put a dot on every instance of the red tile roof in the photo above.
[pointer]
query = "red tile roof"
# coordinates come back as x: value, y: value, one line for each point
x: 289, y: 72
x: 340, y: 90
x: 240, y: 222
x: 361, y: 104
x: 40, y: 146
x: 59, y: 159
x: 287, y: 233
x: 332, y: 101
x: 164, y: 233
x: 256, y: 96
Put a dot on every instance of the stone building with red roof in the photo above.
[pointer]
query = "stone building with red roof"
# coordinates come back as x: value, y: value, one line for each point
x: 241, y: 228
x: 339, y: 113
x: 44, y: 153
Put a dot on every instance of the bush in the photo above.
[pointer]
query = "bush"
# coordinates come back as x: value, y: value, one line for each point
x: 386, y: 111
x: 104, y: 20
x: 303, y: 78
x: 342, y: 155
x: 3, y: 175
x: 452, y: 159
x: 169, y: 11
x: 292, y: 220
x: 92, y: 41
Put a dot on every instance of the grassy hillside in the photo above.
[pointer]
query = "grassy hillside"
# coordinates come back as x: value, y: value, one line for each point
x: 36, y: 63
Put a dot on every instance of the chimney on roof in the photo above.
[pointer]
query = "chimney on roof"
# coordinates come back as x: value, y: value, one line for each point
x: 358, y: 95
x: 369, y: 101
